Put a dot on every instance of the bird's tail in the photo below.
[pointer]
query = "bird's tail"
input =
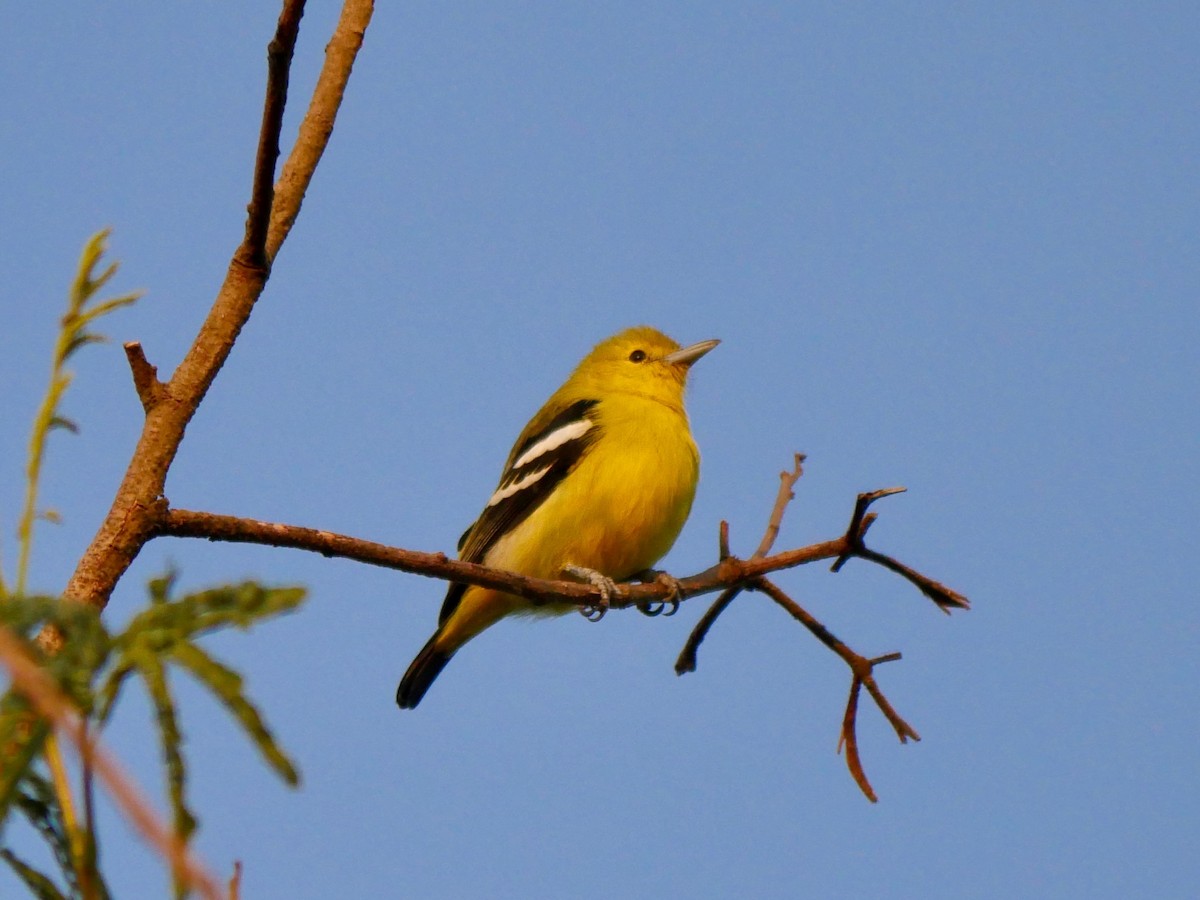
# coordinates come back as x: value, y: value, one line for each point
x: 421, y: 673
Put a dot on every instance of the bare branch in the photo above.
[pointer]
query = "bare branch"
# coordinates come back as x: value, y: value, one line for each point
x: 861, y: 668
x: 31, y: 680
x: 686, y: 661
x: 132, y: 519
x: 317, y: 126
x: 787, y: 481
x: 279, y: 63
x: 145, y: 376
x: 945, y: 598
x: 730, y: 572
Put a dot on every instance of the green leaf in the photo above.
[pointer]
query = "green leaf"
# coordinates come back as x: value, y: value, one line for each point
x: 82, y: 339
x: 226, y: 684
x: 73, y: 669
x: 63, y: 422
x: 84, y: 284
x: 39, y: 885
x: 22, y: 736
x: 39, y: 804
x: 108, y: 306
x: 171, y: 741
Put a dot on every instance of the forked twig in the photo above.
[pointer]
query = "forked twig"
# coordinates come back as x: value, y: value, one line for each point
x: 861, y: 668
x: 860, y: 521
x: 686, y: 662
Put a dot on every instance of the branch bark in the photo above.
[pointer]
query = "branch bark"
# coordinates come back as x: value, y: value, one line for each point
x: 730, y: 575
x: 131, y: 522
x: 730, y: 572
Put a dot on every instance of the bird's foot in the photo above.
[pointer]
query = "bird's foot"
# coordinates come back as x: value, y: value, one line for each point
x: 666, y: 607
x: 594, y: 612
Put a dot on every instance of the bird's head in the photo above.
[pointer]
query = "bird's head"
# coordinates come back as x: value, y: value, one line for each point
x: 641, y: 361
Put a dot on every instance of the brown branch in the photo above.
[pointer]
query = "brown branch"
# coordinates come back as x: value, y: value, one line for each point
x: 787, y: 480
x: 945, y: 598
x: 235, y: 881
x: 731, y: 575
x: 860, y: 521
x: 30, y: 680
x: 252, y: 252
x: 730, y: 572
x: 686, y: 661
x: 145, y: 376
x: 861, y: 669
x: 131, y: 520
x: 317, y: 126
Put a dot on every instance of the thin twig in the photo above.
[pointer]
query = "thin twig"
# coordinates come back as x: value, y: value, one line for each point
x: 945, y: 598
x: 317, y: 126
x: 30, y: 680
x: 262, y: 194
x: 686, y: 661
x: 860, y: 521
x: 145, y: 376
x: 235, y: 881
x: 787, y: 480
x: 861, y: 669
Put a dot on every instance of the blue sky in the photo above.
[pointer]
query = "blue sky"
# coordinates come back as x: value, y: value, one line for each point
x: 945, y: 246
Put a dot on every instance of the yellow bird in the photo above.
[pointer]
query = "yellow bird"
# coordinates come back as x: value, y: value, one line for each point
x: 598, y: 486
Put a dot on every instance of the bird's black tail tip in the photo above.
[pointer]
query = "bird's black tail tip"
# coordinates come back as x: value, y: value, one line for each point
x: 420, y: 675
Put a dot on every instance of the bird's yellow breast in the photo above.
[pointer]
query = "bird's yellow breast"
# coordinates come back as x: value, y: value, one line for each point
x: 622, y: 507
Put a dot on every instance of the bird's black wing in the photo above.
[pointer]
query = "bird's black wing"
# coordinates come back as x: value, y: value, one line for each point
x: 536, y: 466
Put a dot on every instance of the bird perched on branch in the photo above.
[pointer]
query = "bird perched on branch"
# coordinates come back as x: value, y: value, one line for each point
x: 598, y: 486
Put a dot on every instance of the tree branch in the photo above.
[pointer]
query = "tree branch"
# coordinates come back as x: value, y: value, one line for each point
x: 729, y: 572
x: 130, y: 521
x: 861, y: 668
x: 317, y: 126
x: 145, y: 376
x: 686, y: 662
x: 253, y: 252
x: 730, y: 575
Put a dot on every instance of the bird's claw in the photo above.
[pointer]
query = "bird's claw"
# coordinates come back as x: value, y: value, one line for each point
x: 594, y: 612
x: 667, y: 607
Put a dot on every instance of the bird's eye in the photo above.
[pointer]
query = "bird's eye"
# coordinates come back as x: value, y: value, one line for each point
x: 637, y: 356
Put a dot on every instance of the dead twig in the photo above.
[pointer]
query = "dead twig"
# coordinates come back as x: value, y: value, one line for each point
x: 145, y: 376
x: 686, y: 662
x: 861, y: 668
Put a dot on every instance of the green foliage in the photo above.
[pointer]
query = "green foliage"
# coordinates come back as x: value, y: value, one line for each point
x: 38, y: 803
x: 93, y: 667
x: 83, y: 311
x: 85, y: 650
x: 164, y: 635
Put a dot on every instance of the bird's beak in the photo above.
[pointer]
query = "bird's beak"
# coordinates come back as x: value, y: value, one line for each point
x: 688, y: 355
